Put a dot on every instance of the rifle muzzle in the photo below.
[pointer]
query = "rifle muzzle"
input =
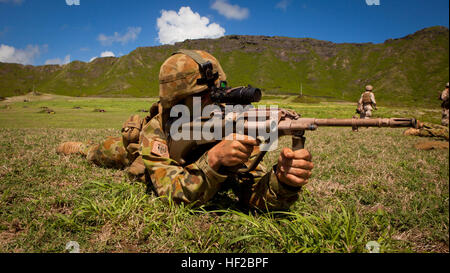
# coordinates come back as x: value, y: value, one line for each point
x: 405, y: 122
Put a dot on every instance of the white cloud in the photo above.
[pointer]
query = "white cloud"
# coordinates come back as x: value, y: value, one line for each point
x: 230, y: 11
x: 107, y: 54
x: 58, y: 61
x: 15, y: 2
x: 104, y: 54
x: 283, y: 4
x: 131, y: 35
x: 9, y: 54
x: 176, y: 27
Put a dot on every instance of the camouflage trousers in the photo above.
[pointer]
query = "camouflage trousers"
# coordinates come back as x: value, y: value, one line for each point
x: 366, y: 111
x: 445, y: 117
x: 110, y: 153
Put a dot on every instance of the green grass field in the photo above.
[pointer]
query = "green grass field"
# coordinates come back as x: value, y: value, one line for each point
x: 372, y: 185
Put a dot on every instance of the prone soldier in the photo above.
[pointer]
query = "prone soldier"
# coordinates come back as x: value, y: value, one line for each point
x: 429, y: 130
x: 435, y: 131
x: 143, y: 148
x: 367, y: 103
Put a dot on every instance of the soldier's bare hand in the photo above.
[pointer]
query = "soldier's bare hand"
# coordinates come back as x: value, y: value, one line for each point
x: 294, y: 167
x: 231, y: 153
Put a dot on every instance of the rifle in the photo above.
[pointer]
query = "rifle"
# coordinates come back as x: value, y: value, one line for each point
x: 287, y: 122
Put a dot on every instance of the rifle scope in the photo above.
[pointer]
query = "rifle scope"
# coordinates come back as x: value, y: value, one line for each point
x: 239, y: 95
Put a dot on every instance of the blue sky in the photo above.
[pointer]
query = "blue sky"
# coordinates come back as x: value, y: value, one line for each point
x: 51, y: 31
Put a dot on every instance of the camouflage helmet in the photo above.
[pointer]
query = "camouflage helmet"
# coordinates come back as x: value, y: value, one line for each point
x: 181, y: 75
x: 369, y: 88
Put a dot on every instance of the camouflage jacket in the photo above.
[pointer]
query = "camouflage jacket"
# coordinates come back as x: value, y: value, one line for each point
x: 198, y: 182
x: 445, y: 99
x: 434, y: 130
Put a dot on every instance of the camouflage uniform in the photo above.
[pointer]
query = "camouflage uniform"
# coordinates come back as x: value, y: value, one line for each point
x: 366, y: 103
x: 429, y: 130
x: 445, y: 105
x: 143, y: 150
x: 196, y: 182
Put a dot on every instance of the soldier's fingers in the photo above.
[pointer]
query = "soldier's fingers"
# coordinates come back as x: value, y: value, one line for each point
x: 302, y: 164
x: 302, y: 173
x: 239, y: 137
x: 287, y: 153
x: 240, y: 155
x: 247, y: 149
x: 302, y: 154
x: 235, y: 159
x: 284, y: 162
x: 248, y: 140
x: 294, y: 181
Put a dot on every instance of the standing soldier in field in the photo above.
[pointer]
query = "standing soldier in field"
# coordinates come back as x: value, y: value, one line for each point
x: 445, y: 105
x: 367, y: 103
x: 143, y: 148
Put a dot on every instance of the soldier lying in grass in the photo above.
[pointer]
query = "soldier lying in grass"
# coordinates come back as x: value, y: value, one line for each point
x: 143, y: 148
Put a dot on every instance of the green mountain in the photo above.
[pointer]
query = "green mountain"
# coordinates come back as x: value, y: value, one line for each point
x: 408, y: 70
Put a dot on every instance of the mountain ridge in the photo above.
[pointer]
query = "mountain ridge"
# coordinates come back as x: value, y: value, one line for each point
x: 407, y: 70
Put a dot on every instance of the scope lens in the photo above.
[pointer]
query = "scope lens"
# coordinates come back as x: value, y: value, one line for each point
x: 249, y: 95
x: 257, y: 96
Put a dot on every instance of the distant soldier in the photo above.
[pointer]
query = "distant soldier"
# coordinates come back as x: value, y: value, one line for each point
x: 367, y: 103
x: 445, y: 105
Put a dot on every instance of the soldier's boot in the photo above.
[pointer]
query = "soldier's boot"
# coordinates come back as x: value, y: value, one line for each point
x: 68, y: 148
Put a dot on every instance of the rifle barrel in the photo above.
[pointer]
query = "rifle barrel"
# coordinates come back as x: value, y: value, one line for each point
x: 378, y: 122
x: 313, y: 124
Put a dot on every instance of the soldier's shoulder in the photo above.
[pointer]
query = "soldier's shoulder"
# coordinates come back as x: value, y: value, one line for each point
x: 154, y: 128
